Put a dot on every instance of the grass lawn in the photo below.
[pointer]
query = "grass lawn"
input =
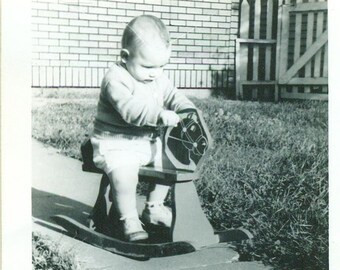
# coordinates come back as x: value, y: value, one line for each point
x: 47, y: 255
x: 268, y: 171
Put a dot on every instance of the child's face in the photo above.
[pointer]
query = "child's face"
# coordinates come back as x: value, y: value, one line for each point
x: 148, y: 62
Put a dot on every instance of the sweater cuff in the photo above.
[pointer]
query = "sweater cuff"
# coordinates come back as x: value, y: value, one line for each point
x: 157, y: 119
x: 185, y: 106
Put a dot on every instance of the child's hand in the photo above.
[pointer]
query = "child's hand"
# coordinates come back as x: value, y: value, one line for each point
x: 169, y: 118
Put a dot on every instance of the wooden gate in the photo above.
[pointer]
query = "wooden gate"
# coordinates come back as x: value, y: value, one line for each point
x: 302, y: 69
x: 282, y: 51
x: 256, y: 49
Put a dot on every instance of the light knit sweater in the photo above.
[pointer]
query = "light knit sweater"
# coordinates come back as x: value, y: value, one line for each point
x: 127, y: 106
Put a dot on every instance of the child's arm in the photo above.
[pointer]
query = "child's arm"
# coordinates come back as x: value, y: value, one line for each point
x: 175, y: 100
x: 133, y: 110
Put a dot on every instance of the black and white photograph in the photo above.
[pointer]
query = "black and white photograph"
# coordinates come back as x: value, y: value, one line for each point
x: 169, y: 134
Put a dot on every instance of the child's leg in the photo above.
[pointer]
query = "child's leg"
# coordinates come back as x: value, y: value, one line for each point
x: 158, y: 192
x: 124, y: 181
x: 121, y: 165
x: 155, y: 212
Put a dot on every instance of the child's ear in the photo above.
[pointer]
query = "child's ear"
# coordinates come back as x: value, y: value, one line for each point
x: 124, y: 55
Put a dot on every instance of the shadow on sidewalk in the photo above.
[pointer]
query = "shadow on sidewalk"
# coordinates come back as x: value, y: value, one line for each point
x: 45, y: 205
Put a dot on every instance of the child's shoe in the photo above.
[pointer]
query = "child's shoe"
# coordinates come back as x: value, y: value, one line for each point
x: 157, y: 213
x: 133, y: 230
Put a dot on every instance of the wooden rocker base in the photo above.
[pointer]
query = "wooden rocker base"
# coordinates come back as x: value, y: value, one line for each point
x: 133, y: 250
x: 190, y: 230
x: 140, y: 251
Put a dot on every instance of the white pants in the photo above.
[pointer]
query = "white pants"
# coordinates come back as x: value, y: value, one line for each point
x: 110, y: 153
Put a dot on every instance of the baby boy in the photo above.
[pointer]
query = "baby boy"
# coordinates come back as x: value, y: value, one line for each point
x: 135, y: 98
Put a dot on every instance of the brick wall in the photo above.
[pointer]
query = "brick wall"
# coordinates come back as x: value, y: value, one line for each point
x: 75, y: 41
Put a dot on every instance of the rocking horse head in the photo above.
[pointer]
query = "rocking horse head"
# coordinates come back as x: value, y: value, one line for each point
x: 186, y: 144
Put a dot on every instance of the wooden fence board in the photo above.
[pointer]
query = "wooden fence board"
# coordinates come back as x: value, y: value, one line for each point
x: 239, y: 93
x: 320, y: 54
x: 283, y: 50
x: 325, y: 63
x: 256, y: 52
x: 317, y: 59
x: 257, y: 41
x: 309, y: 41
x: 309, y: 96
x: 245, y: 22
x: 325, y: 69
x: 297, y: 38
x: 308, y: 81
x: 310, y: 6
x: 259, y: 83
x: 242, y: 53
x: 278, y: 48
x: 268, y: 54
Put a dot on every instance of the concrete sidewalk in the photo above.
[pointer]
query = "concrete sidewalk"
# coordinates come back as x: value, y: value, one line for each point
x: 60, y: 187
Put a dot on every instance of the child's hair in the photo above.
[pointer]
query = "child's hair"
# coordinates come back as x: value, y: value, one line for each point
x: 143, y: 30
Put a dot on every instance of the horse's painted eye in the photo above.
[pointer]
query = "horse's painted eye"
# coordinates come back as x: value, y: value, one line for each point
x: 193, y: 128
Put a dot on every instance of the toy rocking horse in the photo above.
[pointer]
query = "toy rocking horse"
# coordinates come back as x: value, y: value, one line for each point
x: 184, y: 148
